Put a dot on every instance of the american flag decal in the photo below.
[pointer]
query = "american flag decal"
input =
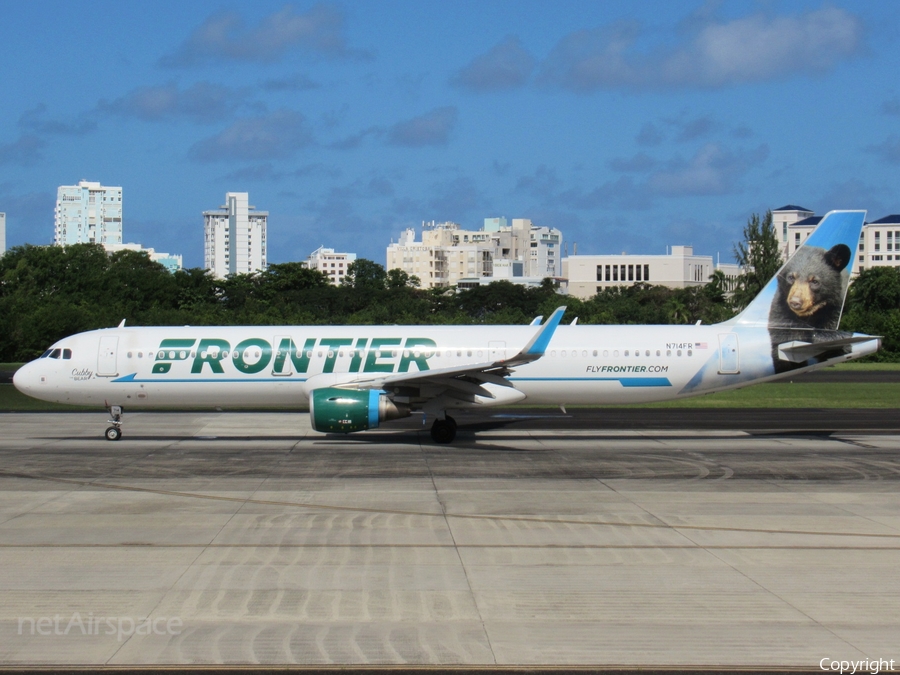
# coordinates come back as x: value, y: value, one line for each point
x: 701, y: 345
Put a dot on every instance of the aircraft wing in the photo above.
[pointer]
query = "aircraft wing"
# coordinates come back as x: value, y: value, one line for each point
x: 467, y: 380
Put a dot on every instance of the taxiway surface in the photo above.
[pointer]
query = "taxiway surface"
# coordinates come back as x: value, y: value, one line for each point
x: 535, y: 539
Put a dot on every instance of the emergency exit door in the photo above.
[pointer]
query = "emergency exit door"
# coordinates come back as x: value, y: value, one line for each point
x: 497, y: 350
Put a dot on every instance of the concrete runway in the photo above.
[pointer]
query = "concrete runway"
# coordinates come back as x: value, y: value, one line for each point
x: 537, y: 538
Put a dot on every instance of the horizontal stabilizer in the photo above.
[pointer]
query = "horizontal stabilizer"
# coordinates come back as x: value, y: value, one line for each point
x: 799, y: 352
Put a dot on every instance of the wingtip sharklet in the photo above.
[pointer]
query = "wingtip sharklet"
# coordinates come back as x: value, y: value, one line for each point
x: 538, y: 344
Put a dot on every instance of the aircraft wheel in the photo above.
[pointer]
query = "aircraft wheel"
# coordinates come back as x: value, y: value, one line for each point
x: 113, y: 433
x: 451, y: 420
x: 443, y: 431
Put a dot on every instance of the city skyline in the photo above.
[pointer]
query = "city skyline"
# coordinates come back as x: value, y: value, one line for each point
x: 626, y: 127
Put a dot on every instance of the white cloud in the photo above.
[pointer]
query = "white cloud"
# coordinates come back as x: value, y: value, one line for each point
x: 649, y: 135
x: 507, y: 65
x: 713, y: 170
x: 35, y: 121
x: 24, y: 151
x: 888, y: 150
x: 201, y: 102
x: 432, y: 128
x: 716, y: 54
x: 543, y: 183
x: 456, y: 199
x: 227, y: 36
x: 274, y: 136
x: 638, y: 163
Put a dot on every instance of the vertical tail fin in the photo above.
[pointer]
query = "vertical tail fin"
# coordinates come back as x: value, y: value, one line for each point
x: 808, y: 291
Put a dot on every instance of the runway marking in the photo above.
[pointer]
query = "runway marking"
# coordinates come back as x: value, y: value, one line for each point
x: 459, y: 516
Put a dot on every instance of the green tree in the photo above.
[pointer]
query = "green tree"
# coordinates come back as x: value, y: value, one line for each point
x: 363, y: 273
x: 875, y: 289
x: 759, y: 256
x: 397, y: 278
x: 873, y: 307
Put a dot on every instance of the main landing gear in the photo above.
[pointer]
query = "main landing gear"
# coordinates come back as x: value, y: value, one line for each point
x: 114, y: 432
x: 443, y: 430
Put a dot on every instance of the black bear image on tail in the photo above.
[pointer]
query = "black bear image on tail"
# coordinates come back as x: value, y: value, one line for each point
x: 808, y: 301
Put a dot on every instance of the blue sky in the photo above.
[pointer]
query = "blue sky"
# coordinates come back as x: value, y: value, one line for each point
x: 629, y: 126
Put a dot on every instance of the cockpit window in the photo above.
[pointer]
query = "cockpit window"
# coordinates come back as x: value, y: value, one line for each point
x: 67, y: 353
x: 55, y: 354
x: 45, y: 354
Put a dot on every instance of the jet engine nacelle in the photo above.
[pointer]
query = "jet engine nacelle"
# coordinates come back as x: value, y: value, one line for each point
x: 343, y: 411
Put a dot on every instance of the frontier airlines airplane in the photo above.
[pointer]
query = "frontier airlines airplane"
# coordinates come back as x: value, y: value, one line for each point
x: 353, y: 378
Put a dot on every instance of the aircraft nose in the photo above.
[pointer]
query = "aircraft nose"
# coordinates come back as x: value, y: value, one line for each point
x: 25, y: 378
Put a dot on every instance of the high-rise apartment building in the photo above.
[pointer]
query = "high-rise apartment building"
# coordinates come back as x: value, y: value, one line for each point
x: 234, y: 237
x: 328, y: 262
x: 88, y: 213
x: 2, y: 233
x: 448, y: 254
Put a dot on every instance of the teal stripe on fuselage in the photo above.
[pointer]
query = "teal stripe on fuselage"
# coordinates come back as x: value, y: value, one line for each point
x: 624, y: 381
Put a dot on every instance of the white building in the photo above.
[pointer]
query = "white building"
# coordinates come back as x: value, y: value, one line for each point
x: 332, y: 264
x: 2, y: 233
x: 797, y: 234
x: 234, y: 237
x: 448, y: 254
x: 879, y: 244
x: 587, y: 275
x: 783, y: 219
x: 88, y: 213
x: 879, y: 241
x: 173, y: 263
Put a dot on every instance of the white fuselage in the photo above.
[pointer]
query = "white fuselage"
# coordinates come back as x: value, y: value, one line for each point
x: 278, y: 366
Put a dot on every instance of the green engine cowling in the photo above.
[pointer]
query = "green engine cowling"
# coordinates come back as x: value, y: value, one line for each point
x: 343, y: 411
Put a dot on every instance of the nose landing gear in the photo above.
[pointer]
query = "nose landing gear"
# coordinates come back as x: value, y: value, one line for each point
x: 114, y: 432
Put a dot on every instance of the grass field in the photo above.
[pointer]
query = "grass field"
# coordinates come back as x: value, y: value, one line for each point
x: 12, y: 401
x: 867, y: 365
x: 800, y: 395
x: 775, y: 395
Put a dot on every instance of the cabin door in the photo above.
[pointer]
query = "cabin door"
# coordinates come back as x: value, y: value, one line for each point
x: 106, y: 358
x: 729, y: 354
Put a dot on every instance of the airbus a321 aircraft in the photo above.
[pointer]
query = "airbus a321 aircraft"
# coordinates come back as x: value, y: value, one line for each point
x: 353, y: 378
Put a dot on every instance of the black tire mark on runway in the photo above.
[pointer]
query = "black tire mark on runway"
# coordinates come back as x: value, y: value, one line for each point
x: 425, y: 514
